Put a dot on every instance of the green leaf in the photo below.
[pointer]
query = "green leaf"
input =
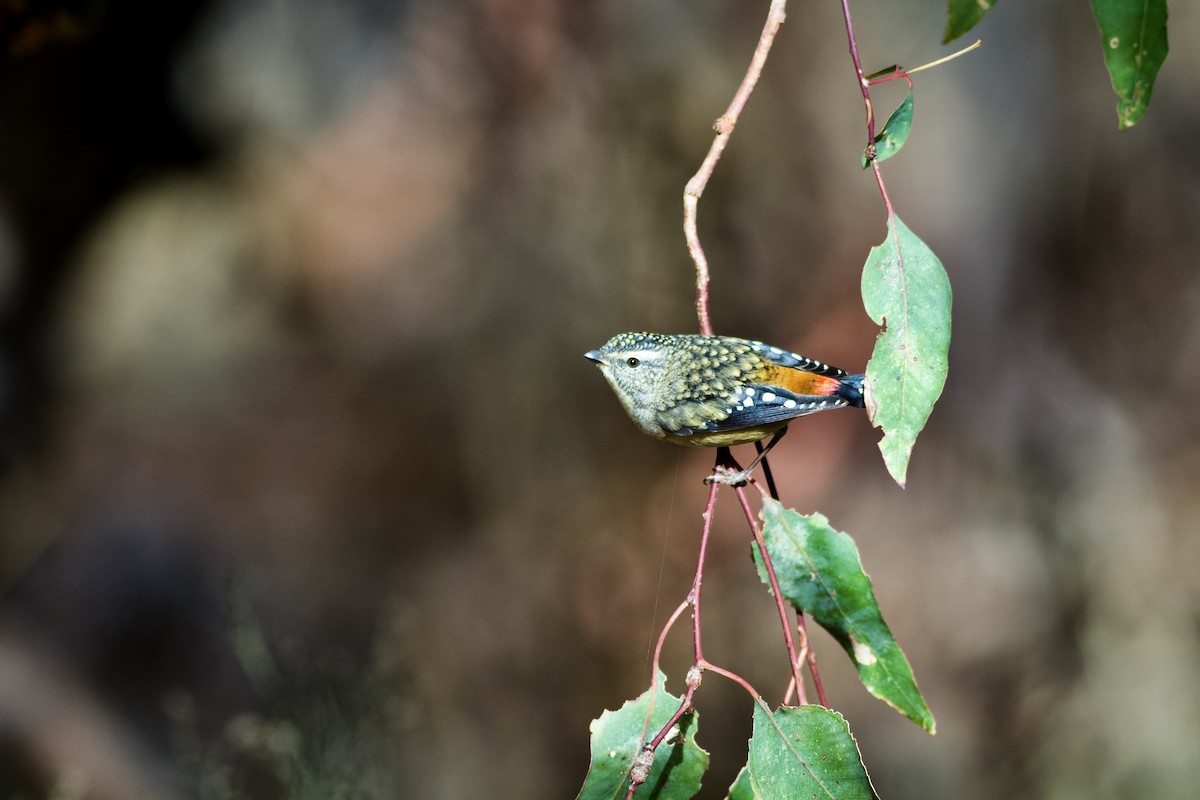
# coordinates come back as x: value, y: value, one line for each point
x: 618, y: 737
x: 1134, y: 34
x: 806, y: 751
x: 961, y: 16
x: 741, y: 788
x: 819, y: 571
x: 905, y: 290
x: 895, y: 131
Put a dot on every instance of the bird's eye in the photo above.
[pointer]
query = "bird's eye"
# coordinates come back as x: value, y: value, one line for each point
x: 631, y: 361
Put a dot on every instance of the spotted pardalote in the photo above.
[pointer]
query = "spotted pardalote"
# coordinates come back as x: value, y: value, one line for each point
x: 718, y: 391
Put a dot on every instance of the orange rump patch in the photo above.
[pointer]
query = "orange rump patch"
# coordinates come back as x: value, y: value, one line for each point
x: 800, y: 382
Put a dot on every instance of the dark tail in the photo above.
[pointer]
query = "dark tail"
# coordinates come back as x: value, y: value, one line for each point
x: 851, y: 390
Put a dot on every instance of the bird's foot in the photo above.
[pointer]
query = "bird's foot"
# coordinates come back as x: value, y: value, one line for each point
x: 728, y: 476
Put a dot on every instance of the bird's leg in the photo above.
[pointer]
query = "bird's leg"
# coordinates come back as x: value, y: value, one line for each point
x: 766, y: 466
x: 725, y: 465
x: 722, y: 472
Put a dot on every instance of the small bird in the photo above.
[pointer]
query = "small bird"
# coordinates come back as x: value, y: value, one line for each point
x: 719, y: 391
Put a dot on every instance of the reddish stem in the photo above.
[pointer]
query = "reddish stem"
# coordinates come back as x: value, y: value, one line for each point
x: 784, y: 620
x: 865, y: 86
x: 887, y: 201
x: 896, y: 72
x: 805, y: 652
x: 724, y: 128
x: 862, y: 81
x: 801, y: 655
x: 812, y: 659
x: 733, y: 676
x: 646, y: 756
x: 694, y: 596
x: 684, y: 708
x: 662, y: 637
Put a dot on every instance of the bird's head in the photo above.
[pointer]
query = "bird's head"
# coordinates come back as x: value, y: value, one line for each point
x: 634, y: 364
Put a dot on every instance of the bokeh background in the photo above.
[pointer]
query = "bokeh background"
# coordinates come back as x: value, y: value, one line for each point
x: 306, y: 490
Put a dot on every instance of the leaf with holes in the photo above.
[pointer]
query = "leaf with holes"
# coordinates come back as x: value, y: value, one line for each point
x: 961, y: 16
x: 1134, y: 36
x: 819, y: 571
x: 894, y: 134
x: 618, y: 737
x: 806, y: 751
x: 905, y: 290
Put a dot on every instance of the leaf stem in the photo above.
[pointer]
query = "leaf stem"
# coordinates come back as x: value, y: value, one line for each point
x: 887, y: 201
x: 733, y: 676
x: 944, y: 59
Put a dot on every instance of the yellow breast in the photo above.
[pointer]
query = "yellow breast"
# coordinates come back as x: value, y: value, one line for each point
x: 729, y: 438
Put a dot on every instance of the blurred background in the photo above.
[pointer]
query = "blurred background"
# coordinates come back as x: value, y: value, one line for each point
x: 306, y: 490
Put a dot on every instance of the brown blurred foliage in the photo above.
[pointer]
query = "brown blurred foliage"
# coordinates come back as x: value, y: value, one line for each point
x: 307, y: 492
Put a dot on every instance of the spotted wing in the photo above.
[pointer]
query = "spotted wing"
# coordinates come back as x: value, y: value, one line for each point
x: 767, y: 405
x: 758, y: 406
x: 785, y: 358
x: 785, y: 386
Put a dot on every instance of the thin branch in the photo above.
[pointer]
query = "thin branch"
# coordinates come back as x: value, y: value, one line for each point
x: 862, y: 81
x: 733, y: 676
x: 784, y: 619
x: 865, y: 86
x: 796, y: 684
x: 694, y: 596
x: 724, y: 128
x: 812, y: 659
x: 805, y: 651
x: 887, y: 201
x: 645, y: 758
x: 801, y: 655
x: 644, y: 761
x: 662, y: 637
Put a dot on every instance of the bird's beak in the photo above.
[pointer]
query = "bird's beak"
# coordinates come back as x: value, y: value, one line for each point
x: 593, y: 355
